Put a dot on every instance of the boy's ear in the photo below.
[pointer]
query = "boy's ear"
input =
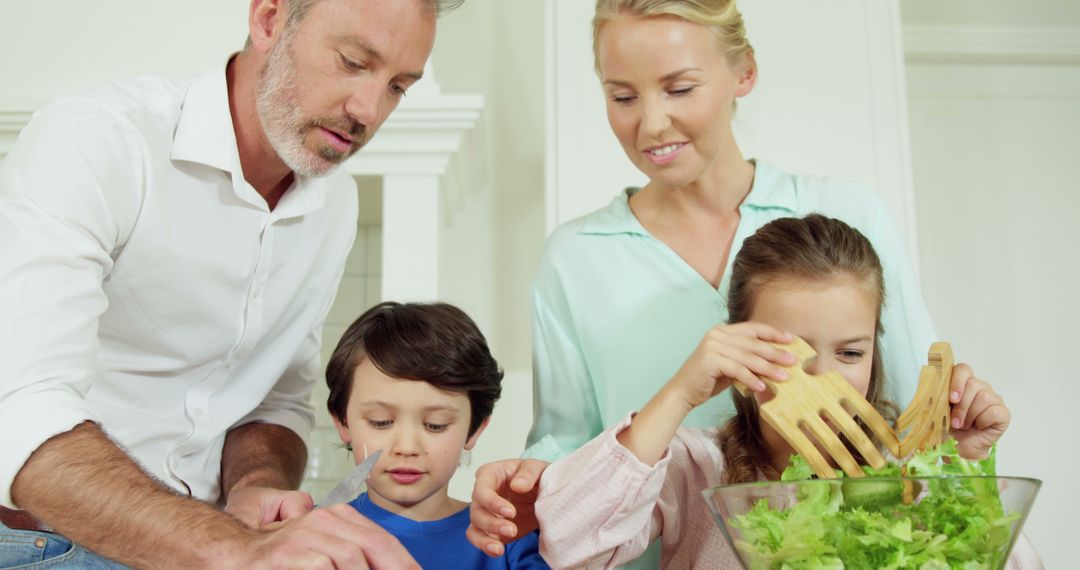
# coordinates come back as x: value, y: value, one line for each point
x: 476, y: 436
x: 342, y: 430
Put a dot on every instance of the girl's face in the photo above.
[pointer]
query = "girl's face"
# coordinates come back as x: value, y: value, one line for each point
x: 421, y: 430
x: 837, y: 317
x: 669, y: 95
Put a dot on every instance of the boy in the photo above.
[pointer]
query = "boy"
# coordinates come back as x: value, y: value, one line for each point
x: 418, y: 382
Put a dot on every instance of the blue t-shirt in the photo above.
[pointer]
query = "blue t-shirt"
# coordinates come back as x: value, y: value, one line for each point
x: 442, y: 543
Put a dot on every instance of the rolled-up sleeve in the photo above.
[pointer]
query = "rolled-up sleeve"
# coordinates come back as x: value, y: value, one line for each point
x: 67, y: 190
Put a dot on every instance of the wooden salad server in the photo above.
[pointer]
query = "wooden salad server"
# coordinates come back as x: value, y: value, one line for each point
x: 926, y: 419
x: 800, y: 403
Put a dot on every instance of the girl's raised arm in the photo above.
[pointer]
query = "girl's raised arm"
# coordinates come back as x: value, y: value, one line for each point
x: 729, y: 353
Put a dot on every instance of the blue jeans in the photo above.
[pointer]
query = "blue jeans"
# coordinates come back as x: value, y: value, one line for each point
x: 30, y: 550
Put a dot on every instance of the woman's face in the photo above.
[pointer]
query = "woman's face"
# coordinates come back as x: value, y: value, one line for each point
x: 669, y: 95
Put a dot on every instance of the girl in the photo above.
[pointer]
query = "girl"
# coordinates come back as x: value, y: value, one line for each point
x: 814, y: 277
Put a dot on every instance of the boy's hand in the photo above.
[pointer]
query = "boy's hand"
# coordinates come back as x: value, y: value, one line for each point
x: 731, y: 353
x: 979, y: 414
x: 503, y: 500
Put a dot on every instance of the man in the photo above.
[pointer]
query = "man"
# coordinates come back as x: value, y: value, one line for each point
x: 170, y: 251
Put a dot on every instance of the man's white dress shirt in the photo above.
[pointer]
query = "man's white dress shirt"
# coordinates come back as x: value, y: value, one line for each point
x: 146, y: 286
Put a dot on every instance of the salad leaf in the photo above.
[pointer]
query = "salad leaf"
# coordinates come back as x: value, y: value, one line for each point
x: 956, y: 522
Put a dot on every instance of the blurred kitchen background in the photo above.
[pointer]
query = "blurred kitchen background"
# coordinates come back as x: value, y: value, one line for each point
x: 964, y: 115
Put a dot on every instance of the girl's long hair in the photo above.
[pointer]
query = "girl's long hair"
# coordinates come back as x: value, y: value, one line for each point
x: 813, y: 248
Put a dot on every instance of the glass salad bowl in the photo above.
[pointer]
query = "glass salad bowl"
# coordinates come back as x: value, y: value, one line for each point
x: 920, y: 523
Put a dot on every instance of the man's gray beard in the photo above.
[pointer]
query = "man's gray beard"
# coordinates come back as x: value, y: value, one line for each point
x: 281, y: 117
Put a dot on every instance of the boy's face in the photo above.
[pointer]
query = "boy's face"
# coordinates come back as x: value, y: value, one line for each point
x: 421, y: 430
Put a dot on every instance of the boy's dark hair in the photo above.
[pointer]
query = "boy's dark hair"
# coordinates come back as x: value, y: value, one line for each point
x: 435, y: 343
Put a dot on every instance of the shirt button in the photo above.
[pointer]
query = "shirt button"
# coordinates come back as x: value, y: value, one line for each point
x: 199, y: 412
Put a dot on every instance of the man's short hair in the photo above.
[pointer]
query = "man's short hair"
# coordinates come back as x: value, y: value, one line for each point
x: 300, y: 8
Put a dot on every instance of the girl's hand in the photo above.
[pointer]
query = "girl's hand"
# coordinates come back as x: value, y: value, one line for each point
x: 728, y: 353
x: 731, y: 353
x: 979, y: 414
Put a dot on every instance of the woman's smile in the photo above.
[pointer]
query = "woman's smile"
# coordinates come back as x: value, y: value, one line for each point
x: 665, y: 154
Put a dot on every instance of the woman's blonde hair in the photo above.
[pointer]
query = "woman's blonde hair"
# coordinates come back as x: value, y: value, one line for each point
x: 720, y: 16
x: 810, y: 248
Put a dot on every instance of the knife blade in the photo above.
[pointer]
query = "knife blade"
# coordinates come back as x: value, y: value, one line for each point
x: 349, y: 488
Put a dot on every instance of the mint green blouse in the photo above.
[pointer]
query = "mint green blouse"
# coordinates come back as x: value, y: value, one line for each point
x: 616, y: 312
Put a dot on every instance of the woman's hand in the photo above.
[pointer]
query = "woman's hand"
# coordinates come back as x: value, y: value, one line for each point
x: 979, y: 414
x: 731, y: 353
x: 502, y: 503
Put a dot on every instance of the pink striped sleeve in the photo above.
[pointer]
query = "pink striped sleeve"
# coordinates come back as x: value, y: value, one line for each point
x: 597, y: 506
x: 1024, y: 556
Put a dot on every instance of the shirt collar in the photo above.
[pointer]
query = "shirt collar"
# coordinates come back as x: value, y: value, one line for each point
x: 204, y: 133
x: 771, y: 189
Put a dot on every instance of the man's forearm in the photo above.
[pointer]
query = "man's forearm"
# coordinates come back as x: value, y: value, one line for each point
x: 85, y: 487
x: 262, y: 455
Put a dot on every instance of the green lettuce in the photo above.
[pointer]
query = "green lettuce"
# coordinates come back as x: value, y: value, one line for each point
x: 958, y: 524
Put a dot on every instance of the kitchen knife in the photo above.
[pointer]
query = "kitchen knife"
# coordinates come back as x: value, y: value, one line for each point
x: 349, y: 488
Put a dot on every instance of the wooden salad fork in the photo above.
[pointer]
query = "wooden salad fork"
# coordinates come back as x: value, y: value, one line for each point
x: 799, y: 404
x: 926, y: 419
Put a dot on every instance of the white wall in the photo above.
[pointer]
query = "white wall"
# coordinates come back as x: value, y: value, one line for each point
x: 495, y: 48
x: 995, y: 123
x: 65, y: 45
x: 1041, y: 13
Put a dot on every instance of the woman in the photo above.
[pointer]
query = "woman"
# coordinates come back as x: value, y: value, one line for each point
x: 624, y: 294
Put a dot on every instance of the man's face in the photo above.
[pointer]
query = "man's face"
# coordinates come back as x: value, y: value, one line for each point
x: 331, y: 80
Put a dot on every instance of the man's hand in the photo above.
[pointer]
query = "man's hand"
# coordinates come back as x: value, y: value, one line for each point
x: 502, y: 503
x: 93, y: 493
x: 334, y: 537
x: 260, y: 506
